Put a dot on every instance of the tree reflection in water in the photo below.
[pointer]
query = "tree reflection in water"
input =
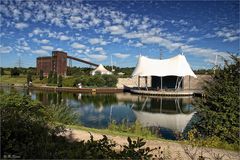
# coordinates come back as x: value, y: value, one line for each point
x: 165, y: 116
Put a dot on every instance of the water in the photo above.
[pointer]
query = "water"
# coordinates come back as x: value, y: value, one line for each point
x: 167, y: 117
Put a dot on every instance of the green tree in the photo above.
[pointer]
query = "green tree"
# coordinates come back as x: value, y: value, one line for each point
x: 2, y: 71
x: 219, y: 109
x: 54, y: 78
x: 50, y: 77
x: 41, y: 75
x: 15, y: 71
x: 60, y: 80
x: 29, y: 78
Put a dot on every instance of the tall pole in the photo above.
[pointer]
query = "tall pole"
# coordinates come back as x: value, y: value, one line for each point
x: 161, y: 57
x: 111, y: 62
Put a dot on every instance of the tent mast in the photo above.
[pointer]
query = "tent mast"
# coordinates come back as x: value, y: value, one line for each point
x: 161, y: 57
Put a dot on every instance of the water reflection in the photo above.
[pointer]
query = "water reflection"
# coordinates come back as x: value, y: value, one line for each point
x: 164, y: 116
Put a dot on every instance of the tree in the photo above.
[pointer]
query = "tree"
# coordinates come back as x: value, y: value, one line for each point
x: 2, y: 71
x: 50, y: 77
x: 54, y: 78
x: 219, y: 109
x: 41, y: 75
x: 15, y: 72
x: 60, y: 81
x: 29, y: 78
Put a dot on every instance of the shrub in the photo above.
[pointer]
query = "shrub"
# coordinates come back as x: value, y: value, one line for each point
x: 41, y: 75
x: 50, y: 77
x: 97, y: 81
x: 15, y: 71
x: 60, y: 79
x: 219, y: 109
x: 1, y: 71
x: 28, y: 132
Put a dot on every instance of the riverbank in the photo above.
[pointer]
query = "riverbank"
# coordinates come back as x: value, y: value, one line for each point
x: 168, y: 149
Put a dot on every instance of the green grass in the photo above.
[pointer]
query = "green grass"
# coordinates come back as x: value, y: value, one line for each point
x: 115, y: 133
x: 7, y: 79
x: 20, y: 80
x: 216, y: 144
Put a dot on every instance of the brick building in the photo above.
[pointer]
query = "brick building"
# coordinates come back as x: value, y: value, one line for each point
x: 56, y: 63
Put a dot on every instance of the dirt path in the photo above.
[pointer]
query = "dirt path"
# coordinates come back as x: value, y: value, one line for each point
x: 170, y: 150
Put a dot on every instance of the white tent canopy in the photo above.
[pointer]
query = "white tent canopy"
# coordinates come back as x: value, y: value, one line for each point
x: 100, y: 69
x: 175, y: 66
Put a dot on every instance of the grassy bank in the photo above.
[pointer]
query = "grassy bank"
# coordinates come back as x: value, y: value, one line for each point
x: 212, y: 142
x: 20, y: 80
x: 115, y: 133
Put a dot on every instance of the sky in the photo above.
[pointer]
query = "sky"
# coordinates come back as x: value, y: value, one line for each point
x: 99, y: 31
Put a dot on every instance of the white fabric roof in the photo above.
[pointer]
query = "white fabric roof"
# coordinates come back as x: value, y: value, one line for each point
x: 175, y: 122
x: 101, y: 70
x: 175, y: 66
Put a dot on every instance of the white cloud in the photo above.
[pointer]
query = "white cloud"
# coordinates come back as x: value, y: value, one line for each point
x: 26, y: 15
x: 194, y: 29
x: 59, y: 49
x: 228, y: 35
x: 43, y: 41
x: 99, y: 41
x: 115, y: 30
x: 138, y: 44
x: 121, y: 55
x: 64, y: 38
x: 26, y: 48
x: 57, y: 21
x: 48, y: 48
x: 191, y: 39
x: 116, y: 39
x: 40, y: 52
x: 78, y: 45
x: 21, y: 25
x: 99, y: 49
x: 5, y: 49
x: 98, y: 57
x: 183, y: 22
x: 75, y: 19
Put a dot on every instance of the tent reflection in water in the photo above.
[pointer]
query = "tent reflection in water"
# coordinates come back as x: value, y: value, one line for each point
x: 100, y: 70
x: 175, y: 115
x: 166, y: 73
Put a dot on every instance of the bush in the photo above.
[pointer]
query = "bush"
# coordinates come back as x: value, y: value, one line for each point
x: 28, y: 132
x: 97, y: 81
x: 50, y: 77
x: 60, y: 79
x: 15, y: 72
x: 219, y: 109
x: 41, y: 75
x: 1, y: 71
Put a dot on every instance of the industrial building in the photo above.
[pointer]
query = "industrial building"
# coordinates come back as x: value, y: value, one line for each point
x: 57, y: 63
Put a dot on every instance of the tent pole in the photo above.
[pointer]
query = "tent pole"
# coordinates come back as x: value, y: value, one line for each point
x: 138, y: 82
x: 176, y: 83
x: 189, y: 82
x: 146, y: 82
x: 161, y: 83
x: 161, y: 106
x: 179, y: 82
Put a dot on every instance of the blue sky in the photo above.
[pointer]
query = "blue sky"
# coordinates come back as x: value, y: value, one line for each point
x: 98, y: 30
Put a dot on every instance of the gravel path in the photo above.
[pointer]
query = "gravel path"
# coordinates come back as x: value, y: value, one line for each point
x: 170, y: 150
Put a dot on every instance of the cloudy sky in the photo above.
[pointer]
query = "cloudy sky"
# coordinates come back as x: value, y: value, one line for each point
x: 98, y: 30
